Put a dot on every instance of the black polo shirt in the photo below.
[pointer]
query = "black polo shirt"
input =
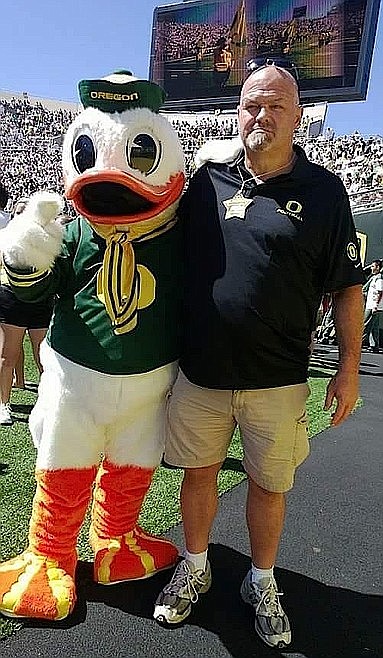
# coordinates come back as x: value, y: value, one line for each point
x: 254, y: 284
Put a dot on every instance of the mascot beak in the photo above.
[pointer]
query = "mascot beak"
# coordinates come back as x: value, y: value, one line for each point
x: 116, y: 197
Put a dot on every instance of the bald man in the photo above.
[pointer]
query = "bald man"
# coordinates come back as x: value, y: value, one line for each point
x: 266, y: 234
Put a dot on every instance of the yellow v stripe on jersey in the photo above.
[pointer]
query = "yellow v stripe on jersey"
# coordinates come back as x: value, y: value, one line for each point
x: 23, y: 280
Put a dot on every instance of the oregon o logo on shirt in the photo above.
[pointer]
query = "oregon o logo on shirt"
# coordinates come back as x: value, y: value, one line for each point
x: 294, y: 207
x: 352, y: 252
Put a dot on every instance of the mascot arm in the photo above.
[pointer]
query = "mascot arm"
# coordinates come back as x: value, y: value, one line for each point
x: 33, y: 239
x: 30, y: 246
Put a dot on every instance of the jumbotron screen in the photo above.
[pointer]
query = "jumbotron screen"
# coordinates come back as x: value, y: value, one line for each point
x: 201, y: 49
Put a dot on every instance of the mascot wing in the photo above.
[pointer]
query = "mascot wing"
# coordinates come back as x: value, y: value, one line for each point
x: 33, y: 238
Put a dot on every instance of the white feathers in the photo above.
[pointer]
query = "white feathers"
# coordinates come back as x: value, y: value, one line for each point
x: 112, y: 136
x: 33, y: 238
x: 218, y: 150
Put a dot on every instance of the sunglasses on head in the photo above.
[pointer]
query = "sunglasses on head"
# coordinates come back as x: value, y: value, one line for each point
x: 262, y: 62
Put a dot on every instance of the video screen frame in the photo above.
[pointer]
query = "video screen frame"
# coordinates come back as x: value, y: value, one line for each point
x: 300, y: 36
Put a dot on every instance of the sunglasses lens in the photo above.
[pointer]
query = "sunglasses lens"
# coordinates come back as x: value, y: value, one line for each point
x: 260, y: 62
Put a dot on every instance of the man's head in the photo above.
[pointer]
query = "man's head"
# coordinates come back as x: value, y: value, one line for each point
x: 376, y: 266
x: 269, y: 110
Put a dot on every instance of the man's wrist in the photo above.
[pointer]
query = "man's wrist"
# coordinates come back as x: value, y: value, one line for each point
x: 349, y: 366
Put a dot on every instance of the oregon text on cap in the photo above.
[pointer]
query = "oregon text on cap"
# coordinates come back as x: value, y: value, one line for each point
x: 108, y: 96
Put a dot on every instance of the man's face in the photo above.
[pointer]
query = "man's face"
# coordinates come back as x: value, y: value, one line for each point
x: 375, y: 269
x: 269, y: 111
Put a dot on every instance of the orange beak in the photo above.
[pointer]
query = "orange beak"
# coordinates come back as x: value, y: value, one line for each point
x: 115, y: 197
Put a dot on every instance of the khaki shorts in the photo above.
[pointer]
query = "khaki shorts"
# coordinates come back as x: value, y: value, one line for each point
x: 272, y: 422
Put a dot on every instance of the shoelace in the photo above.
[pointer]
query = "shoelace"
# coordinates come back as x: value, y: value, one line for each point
x: 184, y: 579
x: 269, y: 599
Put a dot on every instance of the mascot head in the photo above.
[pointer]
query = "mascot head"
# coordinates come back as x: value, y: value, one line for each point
x: 122, y: 161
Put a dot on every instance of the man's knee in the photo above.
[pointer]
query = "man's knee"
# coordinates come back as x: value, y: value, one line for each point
x: 256, y: 491
x: 203, y: 477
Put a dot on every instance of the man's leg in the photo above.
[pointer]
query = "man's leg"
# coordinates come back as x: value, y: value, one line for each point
x: 374, y: 331
x: 200, y: 426
x: 265, y: 513
x: 274, y: 436
x: 199, y: 499
x: 368, y: 315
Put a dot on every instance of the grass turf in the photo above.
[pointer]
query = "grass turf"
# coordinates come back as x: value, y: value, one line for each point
x: 161, y: 507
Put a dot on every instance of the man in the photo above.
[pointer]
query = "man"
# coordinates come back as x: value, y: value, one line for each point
x: 266, y: 234
x: 374, y: 306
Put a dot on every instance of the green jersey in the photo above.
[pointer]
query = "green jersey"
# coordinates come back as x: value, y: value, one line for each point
x: 81, y: 329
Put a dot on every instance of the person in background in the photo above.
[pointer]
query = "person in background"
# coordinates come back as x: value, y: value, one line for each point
x: 17, y: 318
x: 199, y: 53
x: 4, y: 215
x: 374, y: 307
x: 267, y: 233
x: 222, y: 63
x: 18, y: 380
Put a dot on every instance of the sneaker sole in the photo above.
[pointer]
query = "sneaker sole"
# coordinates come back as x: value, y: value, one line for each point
x: 282, y: 644
x: 161, y: 618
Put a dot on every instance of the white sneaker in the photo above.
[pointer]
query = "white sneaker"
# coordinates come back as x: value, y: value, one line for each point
x: 271, y: 622
x: 175, y: 601
x: 5, y: 414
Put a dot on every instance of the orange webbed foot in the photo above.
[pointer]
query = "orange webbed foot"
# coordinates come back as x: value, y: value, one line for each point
x: 34, y: 586
x: 133, y: 556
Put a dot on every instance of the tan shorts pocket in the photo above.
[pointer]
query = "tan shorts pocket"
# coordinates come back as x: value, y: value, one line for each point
x: 302, y: 444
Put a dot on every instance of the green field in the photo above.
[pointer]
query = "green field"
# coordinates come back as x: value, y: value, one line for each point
x: 161, y: 509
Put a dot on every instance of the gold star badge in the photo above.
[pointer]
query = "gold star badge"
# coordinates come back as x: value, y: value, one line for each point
x: 236, y: 206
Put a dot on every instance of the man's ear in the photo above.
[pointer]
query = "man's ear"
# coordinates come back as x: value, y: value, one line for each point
x: 299, y: 115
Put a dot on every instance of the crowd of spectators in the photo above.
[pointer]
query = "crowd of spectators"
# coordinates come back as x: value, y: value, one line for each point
x: 31, y: 138
x: 30, y: 146
x: 176, y: 41
x: 356, y: 159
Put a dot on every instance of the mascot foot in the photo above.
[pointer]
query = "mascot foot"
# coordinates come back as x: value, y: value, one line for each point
x: 34, y: 586
x: 132, y: 556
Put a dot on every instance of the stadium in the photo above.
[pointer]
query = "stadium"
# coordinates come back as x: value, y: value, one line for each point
x: 329, y: 45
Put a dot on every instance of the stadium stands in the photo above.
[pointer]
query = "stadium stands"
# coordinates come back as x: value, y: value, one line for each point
x: 30, y: 145
x: 31, y: 132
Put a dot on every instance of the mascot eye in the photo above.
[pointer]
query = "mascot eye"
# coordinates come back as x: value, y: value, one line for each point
x: 144, y: 153
x: 83, y: 153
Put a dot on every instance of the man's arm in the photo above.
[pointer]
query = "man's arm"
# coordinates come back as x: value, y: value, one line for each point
x: 348, y: 318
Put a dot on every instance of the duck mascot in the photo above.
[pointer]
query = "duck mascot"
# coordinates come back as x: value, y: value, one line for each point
x: 110, y: 356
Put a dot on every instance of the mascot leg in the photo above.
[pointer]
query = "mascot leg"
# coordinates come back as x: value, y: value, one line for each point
x: 39, y: 583
x: 123, y: 551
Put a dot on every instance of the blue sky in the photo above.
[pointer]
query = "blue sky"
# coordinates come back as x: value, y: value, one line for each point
x: 46, y: 47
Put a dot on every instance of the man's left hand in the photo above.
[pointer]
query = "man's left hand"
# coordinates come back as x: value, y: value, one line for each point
x: 344, y: 388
